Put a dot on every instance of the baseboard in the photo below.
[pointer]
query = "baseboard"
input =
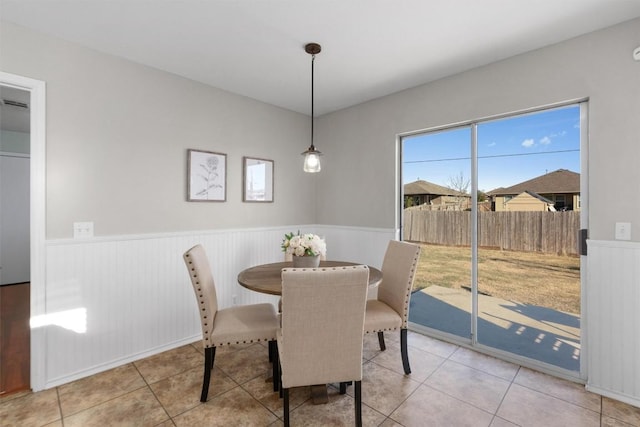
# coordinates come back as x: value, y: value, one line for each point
x: 54, y: 382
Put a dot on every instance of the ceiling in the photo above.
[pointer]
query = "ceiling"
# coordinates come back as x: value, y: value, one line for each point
x: 370, y: 48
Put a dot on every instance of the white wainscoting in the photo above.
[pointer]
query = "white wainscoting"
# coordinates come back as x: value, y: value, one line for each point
x: 113, y: 300
x: 613, y: 319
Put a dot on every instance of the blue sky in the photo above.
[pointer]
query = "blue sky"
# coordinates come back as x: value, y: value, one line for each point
x: 510, y: 150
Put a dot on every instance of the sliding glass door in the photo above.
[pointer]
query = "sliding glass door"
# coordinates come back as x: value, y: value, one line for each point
x: 496, y: 206
x: 438, y: 212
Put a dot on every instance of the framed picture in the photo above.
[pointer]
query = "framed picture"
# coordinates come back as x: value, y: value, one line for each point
x: 257, y: 183
x: 207, y: 176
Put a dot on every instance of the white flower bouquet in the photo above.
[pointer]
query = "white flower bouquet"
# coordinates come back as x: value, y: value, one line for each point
x: 303, y: 245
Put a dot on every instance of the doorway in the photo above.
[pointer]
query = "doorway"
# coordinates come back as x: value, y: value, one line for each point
x: 15, y: 255
x: 496, y: 204
x: 37, y: 218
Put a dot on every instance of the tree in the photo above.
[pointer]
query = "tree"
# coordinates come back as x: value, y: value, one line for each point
x: 460, y: 185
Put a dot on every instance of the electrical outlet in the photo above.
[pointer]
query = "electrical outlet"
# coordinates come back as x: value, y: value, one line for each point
x: 623, y: 231
x: 82, y: 230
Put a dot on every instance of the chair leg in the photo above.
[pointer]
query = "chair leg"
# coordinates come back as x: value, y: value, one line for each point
x: 281, y: 394
x: 343, y: 388
x: 209, y: 357
x: 285, y: 407
x: 403, y: 351
x: 358, y: 403
x: 381, y: 341
x: 271, y: 351
x: 275, y: 362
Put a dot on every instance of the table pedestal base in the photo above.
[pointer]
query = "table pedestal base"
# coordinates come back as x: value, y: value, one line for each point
x: 319, y: 394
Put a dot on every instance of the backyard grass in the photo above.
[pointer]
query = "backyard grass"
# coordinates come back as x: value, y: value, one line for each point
x: 545, y: 280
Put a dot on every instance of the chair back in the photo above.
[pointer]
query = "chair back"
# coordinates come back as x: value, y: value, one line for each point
x: 204, y: 288
x: 322, y: 324
x: 398, y: 272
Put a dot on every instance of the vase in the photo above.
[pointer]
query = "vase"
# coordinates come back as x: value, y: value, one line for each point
x: 306, y: 261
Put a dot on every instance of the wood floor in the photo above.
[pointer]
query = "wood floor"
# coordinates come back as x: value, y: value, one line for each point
x: 14, y: 338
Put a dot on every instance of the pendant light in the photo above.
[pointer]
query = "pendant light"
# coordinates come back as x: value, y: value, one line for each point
x: 312, y: 156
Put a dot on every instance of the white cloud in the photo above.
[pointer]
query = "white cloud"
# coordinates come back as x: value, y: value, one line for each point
x: 545, y: 140
x: 528, y: 143
x: 558, y: 134
x: 493, y: 144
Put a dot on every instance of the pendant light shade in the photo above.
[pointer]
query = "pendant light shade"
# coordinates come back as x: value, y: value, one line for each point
x: 312, y: 156
x: 312, y: 160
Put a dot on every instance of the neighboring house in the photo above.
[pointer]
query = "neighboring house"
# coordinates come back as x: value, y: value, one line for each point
x: 529, y: 201
x: 558, y: 190
x: 422, y: 192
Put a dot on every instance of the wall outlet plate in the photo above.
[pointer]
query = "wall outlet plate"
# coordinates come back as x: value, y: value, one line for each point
x: 82, y: 229
x: 623, y: 231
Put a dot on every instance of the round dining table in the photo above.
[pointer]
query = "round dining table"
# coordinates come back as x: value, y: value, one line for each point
x: 267, y: 278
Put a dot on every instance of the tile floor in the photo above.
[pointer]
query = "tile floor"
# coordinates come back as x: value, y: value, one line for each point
x: 449, y: 386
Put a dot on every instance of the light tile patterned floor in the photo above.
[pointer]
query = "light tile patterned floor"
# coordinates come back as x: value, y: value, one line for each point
x: 448, y: 386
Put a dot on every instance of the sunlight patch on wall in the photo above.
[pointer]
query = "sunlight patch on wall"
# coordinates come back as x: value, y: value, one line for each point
x: 74, y: 320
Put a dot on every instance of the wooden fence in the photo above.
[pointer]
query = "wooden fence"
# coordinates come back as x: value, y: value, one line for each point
x: 548, y: 232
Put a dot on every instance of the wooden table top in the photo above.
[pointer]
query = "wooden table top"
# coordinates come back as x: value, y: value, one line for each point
x: 267, y: 278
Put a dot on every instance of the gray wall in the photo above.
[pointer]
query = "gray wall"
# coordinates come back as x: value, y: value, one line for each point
x: 118, y: 134
x: 360, y: 189
x: 14, y: 142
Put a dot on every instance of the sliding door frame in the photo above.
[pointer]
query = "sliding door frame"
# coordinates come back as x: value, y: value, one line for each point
x: 473, y: 343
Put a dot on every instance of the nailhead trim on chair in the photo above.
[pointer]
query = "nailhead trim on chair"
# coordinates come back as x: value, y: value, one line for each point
x: 206, y: 338
x: 322, y: 268
x: 406, y: 301
x: 382, y: 330
x: 194, y: 275
x: 408, y: 295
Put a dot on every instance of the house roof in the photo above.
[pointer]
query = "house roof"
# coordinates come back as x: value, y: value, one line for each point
x: 425, y: 187
x: 556, y: 182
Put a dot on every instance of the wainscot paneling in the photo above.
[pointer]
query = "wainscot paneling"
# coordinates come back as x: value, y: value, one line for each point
x: 113, y: 300
x: 613, y: 319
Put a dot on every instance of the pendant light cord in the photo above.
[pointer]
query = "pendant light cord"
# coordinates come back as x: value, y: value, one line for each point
x: 313, y: 58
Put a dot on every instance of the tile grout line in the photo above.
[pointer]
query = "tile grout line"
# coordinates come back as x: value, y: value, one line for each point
x: 153, y: 393
x: 504, y: 397
x: 60, y: 406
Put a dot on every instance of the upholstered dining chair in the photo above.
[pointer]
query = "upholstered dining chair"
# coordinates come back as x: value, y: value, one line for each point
x: 390, y: 311
x: 320, y: 341
x: 227, y: 326
x: 289, y: 258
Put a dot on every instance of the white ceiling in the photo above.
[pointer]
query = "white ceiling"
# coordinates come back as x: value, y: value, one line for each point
x: 370, y: 48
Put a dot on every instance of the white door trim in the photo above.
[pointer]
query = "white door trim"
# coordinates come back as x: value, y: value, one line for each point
x: 38, y: 217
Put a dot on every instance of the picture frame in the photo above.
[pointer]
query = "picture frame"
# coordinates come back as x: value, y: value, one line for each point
x: 257, y: 182
x: 206, y: 176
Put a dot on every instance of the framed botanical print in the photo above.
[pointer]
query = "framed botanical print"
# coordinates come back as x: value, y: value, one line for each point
x: 206, y: 176
x: 257, y: 180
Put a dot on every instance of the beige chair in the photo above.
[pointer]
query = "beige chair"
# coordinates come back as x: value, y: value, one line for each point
x: 234, y: 325
x: 289, y: 258
x: 322, y: 327
x: 390, y: 311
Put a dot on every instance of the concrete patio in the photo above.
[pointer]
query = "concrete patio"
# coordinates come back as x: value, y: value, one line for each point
x: 539, y: 333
